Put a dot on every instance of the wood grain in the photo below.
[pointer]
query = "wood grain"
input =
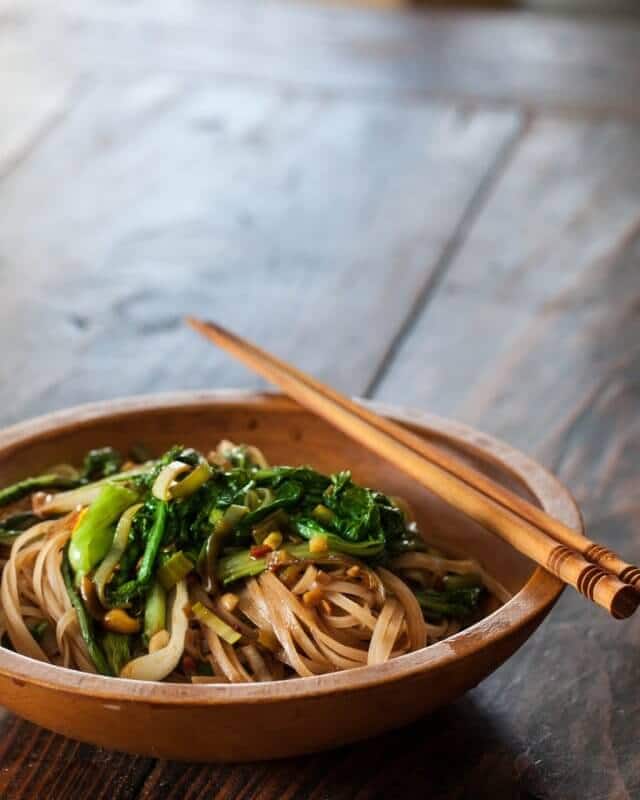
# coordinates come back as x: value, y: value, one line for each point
x: 64, y: 768
x: 458, y: 483
x: 283, y: 217
x: 283, y: 718
x: 585, y: 66
x: 460, y: 486
x: 35, y: 100
x: 547, y: 356
x: 116, y: 156
x: 556, y: 297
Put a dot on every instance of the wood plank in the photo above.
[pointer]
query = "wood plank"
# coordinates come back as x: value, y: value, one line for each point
x: 162, y: 181
x: 257, y: 208
x: 36, y: 763
x: 34, y: 100
x: 579, y: 65
x: 415, y: 761
x: 534, y: 335
x: 540, y: 264
x: 262, y: 209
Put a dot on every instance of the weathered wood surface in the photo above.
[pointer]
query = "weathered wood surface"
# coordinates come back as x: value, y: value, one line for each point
x: 543, y: 62
x: 257, y: 208
x: 437, y: 210
x: 546, y: 353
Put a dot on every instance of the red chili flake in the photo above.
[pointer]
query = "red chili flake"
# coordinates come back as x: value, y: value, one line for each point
x: 260, y: 551
x: 188, y: 664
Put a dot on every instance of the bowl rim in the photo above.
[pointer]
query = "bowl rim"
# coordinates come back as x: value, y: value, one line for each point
x: 533, y: 600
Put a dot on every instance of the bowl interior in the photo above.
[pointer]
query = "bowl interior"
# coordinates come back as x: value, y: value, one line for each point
x: 287, y: 434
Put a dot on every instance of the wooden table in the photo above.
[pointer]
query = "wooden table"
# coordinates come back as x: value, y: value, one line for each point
x: 438, y: 210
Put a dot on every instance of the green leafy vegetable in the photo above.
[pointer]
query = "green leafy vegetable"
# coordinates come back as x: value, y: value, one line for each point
x: 101, y: 463
x: 192, y: 482
x: 451, y: 603
x: 204, y: 668
x: 285, y: 495
x: 146, y: 529
x: 22, y: 488
x: 369, y: 548
x: 92, y: 539
x: 224, y: 525
x: 117, y: 650
x: 174, y: 569
x: 84, y: 620
x: 138, y: 585
x: 361, y: 513
x: 20, y: 521
x: 38, y: 629
x: 213, y: 621
x: 243, y: 565
x: 467, y: 581
x: 239, y: 457
x: 13, y: 526
x: 155, y: 610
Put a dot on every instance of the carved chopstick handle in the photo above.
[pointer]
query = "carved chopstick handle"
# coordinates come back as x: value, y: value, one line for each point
x: 527, y: 528
x: 593, y: 582
x: 611, y: 562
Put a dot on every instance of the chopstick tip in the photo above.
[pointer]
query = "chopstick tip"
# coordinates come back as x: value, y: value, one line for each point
x: 200, y: 325
x: 625, y: 602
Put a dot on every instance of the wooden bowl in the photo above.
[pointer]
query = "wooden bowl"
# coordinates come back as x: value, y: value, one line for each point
x: 261, y: 721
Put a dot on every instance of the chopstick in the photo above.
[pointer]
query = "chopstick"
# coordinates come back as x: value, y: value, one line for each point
x: 263, y: 362
x: 596, y: 572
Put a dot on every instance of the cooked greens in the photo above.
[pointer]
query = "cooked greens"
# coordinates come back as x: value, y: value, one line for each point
x: 449, y: 603
x: 100, y: 463
x: 184, y: 525
x: 10, y: 494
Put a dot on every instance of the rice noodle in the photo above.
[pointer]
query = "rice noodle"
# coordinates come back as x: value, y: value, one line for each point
x: 225, y: 659
x: 385, y: 632
x: 306, y: 581
x: 257, y: 663
x: 440, y: 566
x: 32, y: 573
x: 362, y: 614
x: 156, y: 666
x: 355, y: 590
x: 413, y: 613
x: 302, y: 616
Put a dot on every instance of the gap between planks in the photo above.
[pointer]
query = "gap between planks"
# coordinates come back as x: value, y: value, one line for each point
x: 470, y: 213
x: 528, y: 105
x: 474, y: 206
x: 42, y: 132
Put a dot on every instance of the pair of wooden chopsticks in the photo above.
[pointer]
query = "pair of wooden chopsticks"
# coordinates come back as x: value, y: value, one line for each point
x: 596, y: 572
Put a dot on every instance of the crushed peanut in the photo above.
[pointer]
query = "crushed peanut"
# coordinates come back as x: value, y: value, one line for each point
x: 273, y: 540
x: 119, y: 621
x: 318, y: 544
x: 313, y: 597
x: 268, y: 639
x: 230, y: 601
